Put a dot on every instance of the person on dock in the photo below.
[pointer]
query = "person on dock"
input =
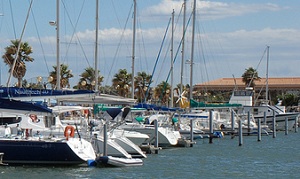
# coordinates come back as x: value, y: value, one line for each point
x: 19, y: 130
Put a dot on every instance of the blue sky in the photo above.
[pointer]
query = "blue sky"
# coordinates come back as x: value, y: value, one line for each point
x: 230, y: 37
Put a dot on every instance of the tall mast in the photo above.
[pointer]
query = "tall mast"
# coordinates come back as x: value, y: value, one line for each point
x: 96, y: 48
x: 57, y: 47
x: 172, y: 61
x: 267, y: 76
x: 18, y: 48
x: 182, y: 49
x: 133, y: 49
x: 192, y: 51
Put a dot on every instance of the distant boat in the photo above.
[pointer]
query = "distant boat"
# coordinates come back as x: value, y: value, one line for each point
x: 244, y: 97
x: 167, y: 136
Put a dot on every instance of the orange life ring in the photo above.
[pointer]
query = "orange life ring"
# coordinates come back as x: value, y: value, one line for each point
x: 69, y: 132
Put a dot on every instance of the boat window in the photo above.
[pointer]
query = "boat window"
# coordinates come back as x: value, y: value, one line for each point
x: 10, y: 120
x: 255, y: 111
x: 49, y: 121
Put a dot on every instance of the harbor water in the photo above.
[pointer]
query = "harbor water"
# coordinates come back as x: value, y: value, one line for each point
x: 224, y: 158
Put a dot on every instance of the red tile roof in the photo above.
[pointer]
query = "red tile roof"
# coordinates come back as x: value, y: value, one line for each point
x: 292, y: 83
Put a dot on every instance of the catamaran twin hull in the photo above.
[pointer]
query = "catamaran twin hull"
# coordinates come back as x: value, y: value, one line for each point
x: 20, y: 152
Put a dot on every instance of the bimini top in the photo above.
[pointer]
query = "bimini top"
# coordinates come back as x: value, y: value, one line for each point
x: 14, y: 105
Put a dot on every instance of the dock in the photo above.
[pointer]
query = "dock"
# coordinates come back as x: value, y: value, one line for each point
x: 150, y: 149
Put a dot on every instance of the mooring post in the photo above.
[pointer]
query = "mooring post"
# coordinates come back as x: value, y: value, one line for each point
x: 240, y: 133
x: 274, y: 125
x: 232, y: 120
x: 191, y: 132
x: 258, y: 130
x: 156, y: 136
x: 105, y: 139
x: 211, y: 130
x: 296, y: 124
x: 248, y: 121
x: 265, y: 117
x: 286, y: 126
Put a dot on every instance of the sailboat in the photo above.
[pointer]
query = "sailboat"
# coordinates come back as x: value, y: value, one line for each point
x: 27, y: 148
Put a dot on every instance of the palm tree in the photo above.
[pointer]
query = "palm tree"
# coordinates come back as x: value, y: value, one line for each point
x: 65, y: 75
x: 19, y: 69
x: 250, y: 76
x: 87, y: 80
x: 162, y: 93
x: 142, y: 81
x: 122, y: 82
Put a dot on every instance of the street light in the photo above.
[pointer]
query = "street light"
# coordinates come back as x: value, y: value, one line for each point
x: 83, y: 83
x: 52, y: 23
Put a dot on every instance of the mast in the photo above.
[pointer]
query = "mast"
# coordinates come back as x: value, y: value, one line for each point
x: 182, y: 49
x: 18, y: 49
x: 192, y: 51
x: 96, y: 47
x: 267, y: 76
x: 133, y: 49
x: 172, y: 61
x: 57, y: 47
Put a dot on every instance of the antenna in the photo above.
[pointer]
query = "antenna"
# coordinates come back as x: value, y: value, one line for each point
x: 235, y: 85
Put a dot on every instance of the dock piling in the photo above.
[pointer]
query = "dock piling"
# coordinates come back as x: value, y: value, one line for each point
x: 286, y: 126
x: 156, y: 135
x: 191, y: 132
x: 240, y: 133
x: 211, y: 130
x: 258, y: 130
x: 274, y: 125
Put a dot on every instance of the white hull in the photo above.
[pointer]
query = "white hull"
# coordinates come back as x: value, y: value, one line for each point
x: 129, y: 147
x: 119, y: 162
x: 136, y: 137
x: 167, y: 137
x: 112, y: 148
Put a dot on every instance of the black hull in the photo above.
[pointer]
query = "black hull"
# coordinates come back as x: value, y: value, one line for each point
x: 20, y: 152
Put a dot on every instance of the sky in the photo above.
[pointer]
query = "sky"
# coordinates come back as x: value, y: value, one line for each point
x: 230, y: 36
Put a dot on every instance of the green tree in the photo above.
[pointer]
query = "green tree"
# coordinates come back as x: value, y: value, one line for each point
x: 142, y: 81
x: 289, y: 99
x: 250, y: 76
x: 162, y: 93
x: 122, y: 82
x: 65, y: 75
x: 19, y: 69
x: 87, y: 80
